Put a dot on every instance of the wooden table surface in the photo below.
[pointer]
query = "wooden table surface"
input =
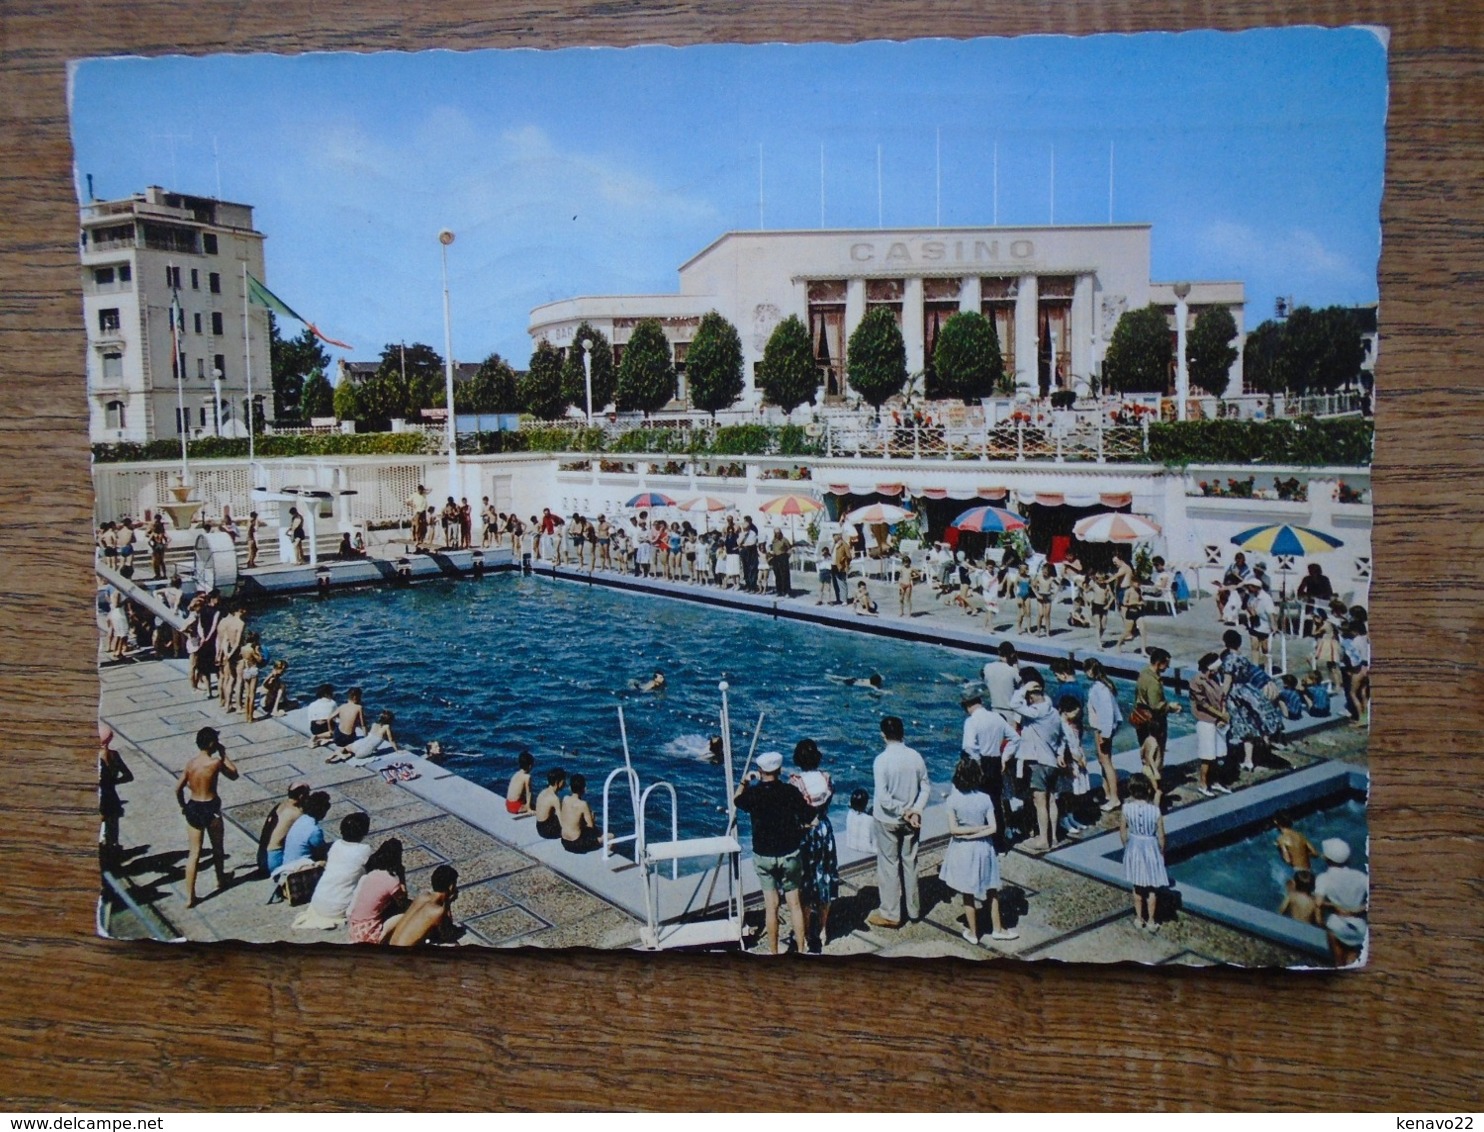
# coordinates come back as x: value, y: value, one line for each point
x: 89, y: 1024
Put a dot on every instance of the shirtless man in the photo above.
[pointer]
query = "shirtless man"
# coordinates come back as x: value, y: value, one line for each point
x: 549, y: 804
x: 229, y: 631
x: 348, y: 721
x: 125, y: 536
x: 431, y: 914
x: 1297, y: 851
x: 518, y: 793
x: 579, y: 829
x: 203, y: 809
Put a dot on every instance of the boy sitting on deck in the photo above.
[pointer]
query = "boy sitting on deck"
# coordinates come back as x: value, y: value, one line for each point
x: 518, y: 793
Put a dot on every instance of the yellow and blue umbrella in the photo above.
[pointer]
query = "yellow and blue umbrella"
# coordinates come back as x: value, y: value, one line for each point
x: 988, y: 520
x: 1283, y: 540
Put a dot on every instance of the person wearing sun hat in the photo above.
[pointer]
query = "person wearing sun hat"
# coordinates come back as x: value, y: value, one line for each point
x: 779, y: 816
x: 1343, y: 894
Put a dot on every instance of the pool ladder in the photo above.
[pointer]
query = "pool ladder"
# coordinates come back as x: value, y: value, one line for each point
x: 650, y: 856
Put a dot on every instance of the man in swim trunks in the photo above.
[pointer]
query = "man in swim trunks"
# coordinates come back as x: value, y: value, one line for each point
x: 518, y: 793
x: 203, y: 809
x: 579, y: 830
x: 348, y: 722
x: 549, y: 804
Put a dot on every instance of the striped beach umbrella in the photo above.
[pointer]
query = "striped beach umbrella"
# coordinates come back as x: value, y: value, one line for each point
x: 791, y: 505
x: 1114, y: 526
x: 651, y: 499
x: 705, y: 503
x: 1281, y: 539
x: 988, y: 520
x: 877, y: 513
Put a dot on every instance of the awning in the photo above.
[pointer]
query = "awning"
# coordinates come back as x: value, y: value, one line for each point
x: 888, y: 489
x: 1075, y: 499
x: 962, y: 493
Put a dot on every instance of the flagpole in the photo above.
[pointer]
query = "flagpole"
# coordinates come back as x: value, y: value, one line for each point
x: 445, y: 237
x: 247, y: 346
x: 180, y: 421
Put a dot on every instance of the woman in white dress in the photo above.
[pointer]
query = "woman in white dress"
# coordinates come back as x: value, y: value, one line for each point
x: 1142, y: 829
x: 970, y: 865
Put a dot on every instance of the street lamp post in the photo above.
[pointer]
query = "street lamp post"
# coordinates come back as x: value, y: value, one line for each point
x: 445, y: 237
x: 587, y: 375
x: 1182, y: 374
x: 216, y: 383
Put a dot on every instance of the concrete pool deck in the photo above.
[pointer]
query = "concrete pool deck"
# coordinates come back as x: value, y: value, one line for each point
x: 516, y: 890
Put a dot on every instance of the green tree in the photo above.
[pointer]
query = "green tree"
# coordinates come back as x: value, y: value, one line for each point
x: 540, y: 388
x: 1322, y: 349
x: 1138, y: 358
x: 646, y: 376
x: 1209, y: 352
x: 347, y: 399
x: 574, y: 380
x: 967, y: 357
x: 788, y: 375
x: 1264, y: 365
x: 290, y: 361
x: 713, y: 366
x: 490, y: 390
x: 407, y: 380
x: 876, y: 358
x: 317, y: 399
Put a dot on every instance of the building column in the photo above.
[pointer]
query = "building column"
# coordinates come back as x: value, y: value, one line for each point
x: 971, y: 294
x: 1082, y: 330
x: 1027, y: 307
x: 855, y: 306
x: 912, y: 324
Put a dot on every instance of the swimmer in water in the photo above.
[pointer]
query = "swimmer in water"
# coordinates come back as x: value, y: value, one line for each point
x: 655, y: 683
x: 716, y: 753
x: 873, y: 681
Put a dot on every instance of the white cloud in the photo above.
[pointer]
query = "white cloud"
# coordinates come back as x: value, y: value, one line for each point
x: 1298, y: 255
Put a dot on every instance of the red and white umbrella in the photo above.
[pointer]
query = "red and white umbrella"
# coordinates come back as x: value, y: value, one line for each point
x: 705, y: 504
x: 877, y: 513
x: 1113, y: 526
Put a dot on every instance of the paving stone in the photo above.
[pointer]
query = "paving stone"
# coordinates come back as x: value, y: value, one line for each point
x: 508, y: 927
x: 552, y: 898
x: 607, y: 929
x: 497, y: 862
x: 1116, y: 942
x: 452, y: 837
x: 373, y: 793
x: 477, y: 899
x: 387, y: 821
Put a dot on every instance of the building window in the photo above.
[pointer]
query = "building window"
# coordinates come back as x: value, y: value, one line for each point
x: 108, y: 320
x: 201, y: 368
x: 1054, y: 332
x: 208, y: 242
x: 169, y: 238
x: 113, y: 236
x: 181, y: 419
x: 827, y: 333
x: 215, y: 282
x: 103, y: 276
x: 997, y: 303
x: 939, y: 304
x: 886, y: 294
x: 617, y: 356
x: 203, y: 416
x: 114, y: 411
x: 195, y: 280
x: 682, y: 391
x: 113, y: 367
x: 197, y: 318
x: 172, y: 277
x: 216, y: 323
x: 126, y: 273
x: 219, y: 364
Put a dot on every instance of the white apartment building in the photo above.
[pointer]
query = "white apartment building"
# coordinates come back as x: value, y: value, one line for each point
x: 138, y: 255
x: 1055, y: 295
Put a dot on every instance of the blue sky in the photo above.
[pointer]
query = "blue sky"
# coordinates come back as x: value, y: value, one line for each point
x: 1257, y: 156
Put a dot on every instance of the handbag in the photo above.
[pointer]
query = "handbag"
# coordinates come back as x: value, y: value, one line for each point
x: 1141, y: 716
x: 298, y: 885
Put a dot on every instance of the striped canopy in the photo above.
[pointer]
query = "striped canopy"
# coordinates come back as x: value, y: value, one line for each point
x: 877, y: 513
x: 988, y: 520
x: 1286, y: 540
x: 651, y: 499
x: 791, y: 505
x: 1113, y: 526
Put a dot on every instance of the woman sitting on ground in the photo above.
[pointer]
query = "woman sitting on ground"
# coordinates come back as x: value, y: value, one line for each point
x: 380, y: 896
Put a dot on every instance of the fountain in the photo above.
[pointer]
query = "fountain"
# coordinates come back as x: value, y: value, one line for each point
x: 183, y: 511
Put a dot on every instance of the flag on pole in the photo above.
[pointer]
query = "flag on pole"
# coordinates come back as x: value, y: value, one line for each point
x: 257, y: 293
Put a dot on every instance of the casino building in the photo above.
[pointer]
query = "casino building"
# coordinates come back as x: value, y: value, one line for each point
x: 1055, y: 294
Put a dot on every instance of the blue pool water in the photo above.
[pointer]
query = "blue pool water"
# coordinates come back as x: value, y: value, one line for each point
x: 510, y: 662
x: 1249, y: 868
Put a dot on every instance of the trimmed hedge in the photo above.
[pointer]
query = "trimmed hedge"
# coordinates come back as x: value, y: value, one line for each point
x: 1306, y: 442
x: 315, y: 444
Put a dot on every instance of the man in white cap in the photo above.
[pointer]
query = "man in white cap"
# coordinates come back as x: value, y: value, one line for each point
x: 1343, y: 894
x: 901, y: 796
x: 779, y: 815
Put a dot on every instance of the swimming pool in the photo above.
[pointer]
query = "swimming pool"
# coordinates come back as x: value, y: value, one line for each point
x: 1245, y: 866
x: 516, y: 662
